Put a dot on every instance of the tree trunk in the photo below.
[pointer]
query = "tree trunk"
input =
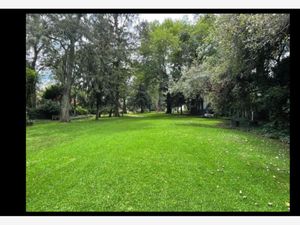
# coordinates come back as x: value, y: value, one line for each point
x: 35, y: 55
x: 201, y: 111
x: 124, y: 106
x: 33, y: 65
x: 34, y: 96
x: 169, y: 103
x: 142, y: 109
x: 158, y: 106
x: 116, y: 65
x: 117, y: 104
x: 97, y: 109
x: 97, y: 113
x: 116, y: 111
x: 65, y: 106
x: 181, y: 109
x: 65, y: 101
x: 160, y: 97
x: 110, y: 112
x: 75, y: 105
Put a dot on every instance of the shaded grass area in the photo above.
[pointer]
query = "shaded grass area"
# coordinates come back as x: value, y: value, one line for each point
x: 153, y: 162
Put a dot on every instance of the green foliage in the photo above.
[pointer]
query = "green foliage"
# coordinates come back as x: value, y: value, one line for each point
x: 242, y: 66
x: 45, y: 110
x: 193, y: 82
x: 276, y: 98
x: 141, y: 99
x: 271, y: 130
x: 53, y: 92
x: 239, y: 63
x: 30, y: 74
x: 31, y: 80
x: 35, y: 39
x: 81, y: 111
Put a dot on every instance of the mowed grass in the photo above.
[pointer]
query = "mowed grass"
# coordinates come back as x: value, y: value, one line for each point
x: 153, y: 162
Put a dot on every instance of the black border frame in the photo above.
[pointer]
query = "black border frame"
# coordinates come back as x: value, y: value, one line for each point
x: 14, y: 166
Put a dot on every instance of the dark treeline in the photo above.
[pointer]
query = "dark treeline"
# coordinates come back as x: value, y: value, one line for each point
x: 233, y: 65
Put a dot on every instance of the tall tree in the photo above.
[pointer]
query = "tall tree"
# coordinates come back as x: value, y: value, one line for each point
x: 35, y: 45
x: 64, y: 32
x: 122, y: 25
x: 96, y: 61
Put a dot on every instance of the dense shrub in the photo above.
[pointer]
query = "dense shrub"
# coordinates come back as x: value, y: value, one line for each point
x: 81, y: 111
x: 53, y: 92
x: 271, y: 130
x: 45, y: 110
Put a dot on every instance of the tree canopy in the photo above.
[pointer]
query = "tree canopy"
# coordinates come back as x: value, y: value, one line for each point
x: 231, y: 64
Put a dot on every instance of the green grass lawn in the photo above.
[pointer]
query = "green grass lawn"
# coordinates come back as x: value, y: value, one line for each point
x: 153, y: 162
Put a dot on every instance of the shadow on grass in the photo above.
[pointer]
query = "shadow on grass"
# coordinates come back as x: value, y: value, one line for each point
x: 159, y: 116
x: 200, y: 125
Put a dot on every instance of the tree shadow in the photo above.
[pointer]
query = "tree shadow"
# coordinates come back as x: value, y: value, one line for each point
x: 200, y: 125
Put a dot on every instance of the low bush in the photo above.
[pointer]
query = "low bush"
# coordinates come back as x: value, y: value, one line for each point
x: 266, y: 129
x: 81, y: 111
x: 271, y: 130
x: 45, y: 110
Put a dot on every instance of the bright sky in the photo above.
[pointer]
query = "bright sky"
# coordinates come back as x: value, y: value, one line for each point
x: 161, y: 17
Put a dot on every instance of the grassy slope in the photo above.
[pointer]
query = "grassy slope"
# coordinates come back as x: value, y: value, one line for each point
x: 153, y: 163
